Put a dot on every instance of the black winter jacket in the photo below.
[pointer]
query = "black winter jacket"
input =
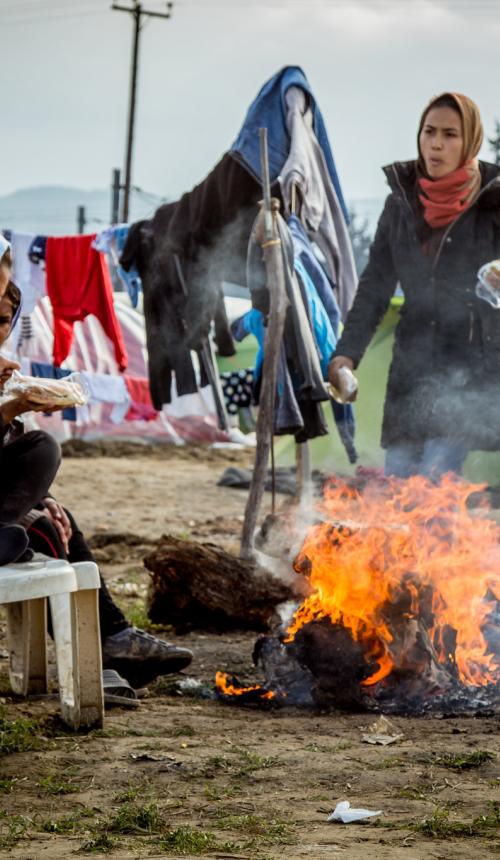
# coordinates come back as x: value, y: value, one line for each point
x: 444, y: 379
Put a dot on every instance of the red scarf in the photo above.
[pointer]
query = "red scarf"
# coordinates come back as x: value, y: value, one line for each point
x: 445, y: 199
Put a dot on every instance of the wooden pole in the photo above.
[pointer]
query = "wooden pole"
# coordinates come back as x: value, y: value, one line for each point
x: 268, y: 235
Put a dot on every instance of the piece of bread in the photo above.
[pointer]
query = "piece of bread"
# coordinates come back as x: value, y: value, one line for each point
x: 50, y: 392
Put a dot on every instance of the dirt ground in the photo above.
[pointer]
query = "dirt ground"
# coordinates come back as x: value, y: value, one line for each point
x: 185, y: 776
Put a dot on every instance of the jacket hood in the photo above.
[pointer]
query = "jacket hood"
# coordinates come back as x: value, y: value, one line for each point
x: 402, y: 176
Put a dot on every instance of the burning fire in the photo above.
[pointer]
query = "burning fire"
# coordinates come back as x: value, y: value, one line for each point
x: 402, y: 553
x: 228, y: 689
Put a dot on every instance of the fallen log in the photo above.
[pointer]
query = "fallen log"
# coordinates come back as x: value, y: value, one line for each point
x: 200, y: 586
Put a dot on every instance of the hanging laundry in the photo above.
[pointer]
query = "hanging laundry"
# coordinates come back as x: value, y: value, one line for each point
x: 112, y: 241
x: 237, y: 389
x: 78, y: 284
x: 141, y: 406
x: 287, y: 415
x: 37, y: 249
x: 343, y: 413
x: 300, y: 353
x: 326, y: 342
x: 269, y: 110
x: 104, y: 388
x: 306, y: 171
x: 304, y: 251
x: 26, y: 275
x: 181, y: 292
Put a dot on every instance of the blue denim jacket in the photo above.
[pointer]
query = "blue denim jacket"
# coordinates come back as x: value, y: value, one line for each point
x: 269, y: 111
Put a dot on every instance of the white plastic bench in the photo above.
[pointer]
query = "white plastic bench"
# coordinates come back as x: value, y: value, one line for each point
x: 72, y: 590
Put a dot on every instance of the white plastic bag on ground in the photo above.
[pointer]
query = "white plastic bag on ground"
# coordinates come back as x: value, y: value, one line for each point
x: 346, y: 815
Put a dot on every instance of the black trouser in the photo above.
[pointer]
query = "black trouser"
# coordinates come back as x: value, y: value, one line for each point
x: 44, y: 537
x: 28, y: 466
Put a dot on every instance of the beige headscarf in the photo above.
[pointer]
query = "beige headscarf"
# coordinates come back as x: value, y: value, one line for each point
x: 472, y: 126
x: 443, y: 199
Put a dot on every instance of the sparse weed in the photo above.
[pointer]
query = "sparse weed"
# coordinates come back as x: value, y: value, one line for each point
x: 251, y: 762
x: 6, y: 784
x: 127, y: 796
x: 215, y: 763
x: 137, y: 818
x: 12, y: 829
x: 439, y: 825
x: 182, y: 731
x: 101, y: 844
x: 411, y: 792
x: 185, y: 840
x: 273, y: 829
x: 324, y: 748
x: 52, y: 784
x: 67, y: 824
x: 385, y: 763
x: 464, y: 761
x: 19, y: 735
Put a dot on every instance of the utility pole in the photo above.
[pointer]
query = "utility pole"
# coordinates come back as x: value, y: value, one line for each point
x: 80, y: 220
x: 115, y: 196
x: 137, y: 12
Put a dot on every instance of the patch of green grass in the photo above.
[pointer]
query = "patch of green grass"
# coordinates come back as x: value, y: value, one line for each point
x: 185, y: 840
x: 137, y: 818
x: 138, y: 617
x: 385, y: 763
x: 343, y: 745
x: 19, y: 735
x: 101, y: 844
x: 274, y: 829
x: 213, y: 764
x: 12, y: 829
x: 5, y: 688
x: 127, y: 796
x: 412, y: 792
x: 6, y: 784
x: 116, y: 732
x: 251, y: 762
x: 328, y: 748
x: 53, y: 785
x: 66, y: 824
x: 182, y: 731
x: 246, y: 764
x: 69, y: 823
x: 465, y: 761
x: 216, y: 792
x: 439, y: 825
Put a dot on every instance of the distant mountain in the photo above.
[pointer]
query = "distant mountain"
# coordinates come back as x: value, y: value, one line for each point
x: 52, y: 209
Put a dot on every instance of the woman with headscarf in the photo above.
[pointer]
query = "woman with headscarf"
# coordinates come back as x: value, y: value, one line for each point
x: 440, y: 224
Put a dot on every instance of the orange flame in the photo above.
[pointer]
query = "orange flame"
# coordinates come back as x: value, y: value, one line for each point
x: 228, y: 689
x: 410, y: 545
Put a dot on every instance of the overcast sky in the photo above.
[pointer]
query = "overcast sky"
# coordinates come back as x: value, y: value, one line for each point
x: 372, y: 65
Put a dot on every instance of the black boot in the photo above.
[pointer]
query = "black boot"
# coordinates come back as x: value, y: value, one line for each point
x: 13, y: 543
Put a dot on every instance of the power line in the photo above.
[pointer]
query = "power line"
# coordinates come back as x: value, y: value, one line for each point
x: 69, y: 14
